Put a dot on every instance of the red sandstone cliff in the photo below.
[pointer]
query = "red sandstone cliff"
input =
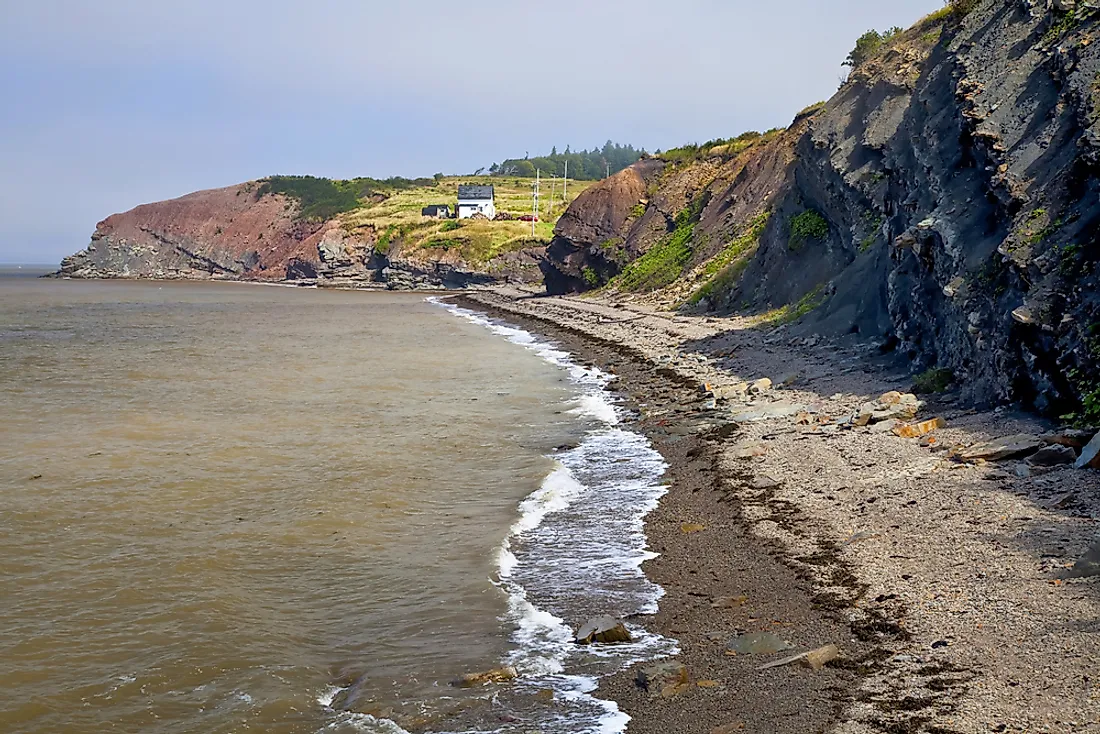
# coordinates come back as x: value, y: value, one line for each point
x: 216, y: 233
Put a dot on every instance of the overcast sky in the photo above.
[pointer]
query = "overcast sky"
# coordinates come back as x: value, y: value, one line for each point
x: 107, y: 104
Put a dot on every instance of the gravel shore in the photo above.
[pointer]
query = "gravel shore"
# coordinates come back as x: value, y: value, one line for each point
x: 937, y: 579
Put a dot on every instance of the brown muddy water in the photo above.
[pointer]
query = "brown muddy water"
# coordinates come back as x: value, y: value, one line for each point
x: 230, y: 508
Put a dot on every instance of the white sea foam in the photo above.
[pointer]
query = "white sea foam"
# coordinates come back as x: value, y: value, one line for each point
x: 578, y: 546
x: 365, y: 723
x: 327, y: 696
x: 596, y: 406
x: 347, y: 721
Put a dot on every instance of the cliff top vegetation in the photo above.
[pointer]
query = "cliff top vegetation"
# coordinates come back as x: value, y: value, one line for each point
x: 398, y: 222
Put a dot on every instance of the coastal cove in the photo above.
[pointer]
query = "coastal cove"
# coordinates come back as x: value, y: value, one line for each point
x: 792, y: 431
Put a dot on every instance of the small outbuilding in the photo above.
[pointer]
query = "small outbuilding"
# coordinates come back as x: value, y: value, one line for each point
x: 437, y: 211
x: 476, y: 200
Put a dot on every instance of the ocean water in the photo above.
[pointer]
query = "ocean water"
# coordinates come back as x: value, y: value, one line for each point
x: 230, y: 508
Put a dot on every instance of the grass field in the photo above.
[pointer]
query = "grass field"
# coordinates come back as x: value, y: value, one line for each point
x: 399, y: 224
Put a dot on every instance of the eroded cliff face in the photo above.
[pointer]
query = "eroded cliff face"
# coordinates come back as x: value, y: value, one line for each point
x: 945, y: 203
x: 235, y: 234
x: 225, y: 233
x: 589, y: 238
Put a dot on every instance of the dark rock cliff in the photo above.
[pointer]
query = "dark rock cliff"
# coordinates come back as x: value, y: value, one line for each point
x: 944, y: 203
x: 589, y: 236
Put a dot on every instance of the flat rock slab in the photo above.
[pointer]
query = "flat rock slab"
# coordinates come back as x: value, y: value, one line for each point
x: 1008, y: 447
x: 767, y: 412
x: 756, y: 643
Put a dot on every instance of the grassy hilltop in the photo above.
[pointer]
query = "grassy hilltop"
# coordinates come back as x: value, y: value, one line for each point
x: 388, y: 211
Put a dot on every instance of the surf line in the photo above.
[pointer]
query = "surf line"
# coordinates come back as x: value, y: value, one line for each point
x: 579, y: 545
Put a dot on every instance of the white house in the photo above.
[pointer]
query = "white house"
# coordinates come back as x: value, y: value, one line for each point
x: 476, y: 200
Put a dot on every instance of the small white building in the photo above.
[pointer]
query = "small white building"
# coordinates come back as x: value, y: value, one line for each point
x: 476, y: 200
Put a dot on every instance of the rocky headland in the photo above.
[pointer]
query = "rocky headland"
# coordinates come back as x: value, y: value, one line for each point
x: 250, y: 233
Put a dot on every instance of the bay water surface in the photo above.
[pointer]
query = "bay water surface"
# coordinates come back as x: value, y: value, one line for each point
x: 229, y: 508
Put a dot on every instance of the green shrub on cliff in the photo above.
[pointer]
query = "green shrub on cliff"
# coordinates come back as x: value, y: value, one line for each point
x: 665, y: 261
x: 320, y: 199
x: 809, y: 225
x: 869, y: 44
x: 726, y: 268
x: 951, y: 10
x: 933, y: 381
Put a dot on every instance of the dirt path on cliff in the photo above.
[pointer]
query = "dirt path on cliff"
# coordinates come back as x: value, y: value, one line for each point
x: 936, y: 578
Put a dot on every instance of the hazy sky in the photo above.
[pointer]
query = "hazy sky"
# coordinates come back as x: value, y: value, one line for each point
x: 107, y: 104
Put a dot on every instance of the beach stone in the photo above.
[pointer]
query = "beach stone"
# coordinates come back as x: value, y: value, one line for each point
x: 1009, y: 447
x: 1053, y: 455
x: 817, y: 659
x: 916, y: 430
x: 737, y: 391
x: 764, y: 482
x: 1090, y: 455
x: 496, y: 675
x: 606, y: 630
x: 886, y: 426
x: 1075, y: 438
x: 1088, y: 565
x: 730, y: 602
x: 889, y: 406
x: 756, y: 643
x: 661, y: 678
x: 762, y: 385
x: 767, y: 412
x: 748, y: 450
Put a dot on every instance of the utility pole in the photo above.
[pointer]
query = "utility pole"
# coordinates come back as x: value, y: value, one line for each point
x: 608, y: 170
x: 565, y: 183
x: 553, y: 187
x: 535, y: 202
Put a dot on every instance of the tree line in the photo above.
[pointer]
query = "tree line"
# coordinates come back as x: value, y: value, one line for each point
x: 587, y: 165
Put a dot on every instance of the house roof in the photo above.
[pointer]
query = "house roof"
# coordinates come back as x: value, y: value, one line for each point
x: 475, y: 192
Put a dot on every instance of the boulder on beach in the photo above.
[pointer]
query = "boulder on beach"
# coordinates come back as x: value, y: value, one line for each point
x: 889, y: 406
x: 1009, y: 447
x: 1053, y: 455
x: 605, y: 630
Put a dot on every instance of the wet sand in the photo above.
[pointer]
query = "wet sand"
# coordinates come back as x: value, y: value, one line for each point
x: 935, y: 578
